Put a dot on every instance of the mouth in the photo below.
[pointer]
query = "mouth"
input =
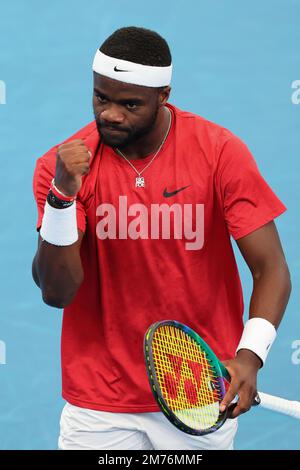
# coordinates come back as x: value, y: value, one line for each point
x: 111, y: 130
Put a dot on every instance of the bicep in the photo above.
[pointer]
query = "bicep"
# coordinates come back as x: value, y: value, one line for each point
x: 262, y: 248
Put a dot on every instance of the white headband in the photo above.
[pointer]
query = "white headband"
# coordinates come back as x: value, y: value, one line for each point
x: 130, y: 72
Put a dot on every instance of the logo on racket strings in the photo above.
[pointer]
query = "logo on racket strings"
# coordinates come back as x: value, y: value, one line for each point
x: 186, y: 381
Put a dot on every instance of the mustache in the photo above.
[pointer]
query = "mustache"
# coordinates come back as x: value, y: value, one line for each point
x: 101, y: 125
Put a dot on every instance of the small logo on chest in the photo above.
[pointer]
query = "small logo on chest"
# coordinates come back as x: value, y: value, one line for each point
x: 170, y: 194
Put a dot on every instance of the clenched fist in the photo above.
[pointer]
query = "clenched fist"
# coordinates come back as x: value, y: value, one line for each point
x: 72, y: 162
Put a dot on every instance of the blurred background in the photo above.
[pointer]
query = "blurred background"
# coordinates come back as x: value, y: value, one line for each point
x: 235, y: 63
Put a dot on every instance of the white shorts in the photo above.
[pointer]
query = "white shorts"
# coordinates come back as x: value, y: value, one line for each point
x: 84, y: 429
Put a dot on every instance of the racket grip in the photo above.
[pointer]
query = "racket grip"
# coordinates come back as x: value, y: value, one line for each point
x: 286, y: 407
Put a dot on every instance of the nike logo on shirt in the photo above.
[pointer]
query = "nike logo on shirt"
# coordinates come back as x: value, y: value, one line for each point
x: 167, y: 194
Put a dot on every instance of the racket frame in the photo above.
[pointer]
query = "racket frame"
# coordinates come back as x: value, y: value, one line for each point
x: 220, y: 370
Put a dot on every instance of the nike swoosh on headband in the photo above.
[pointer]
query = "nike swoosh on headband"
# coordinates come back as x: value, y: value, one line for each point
x: 167, y: 194
x: 120, y: 70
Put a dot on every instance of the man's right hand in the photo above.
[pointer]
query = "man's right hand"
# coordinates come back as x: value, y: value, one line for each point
x: 72, y: 162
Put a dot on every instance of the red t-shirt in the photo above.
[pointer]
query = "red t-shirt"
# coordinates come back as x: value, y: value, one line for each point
x: 144, y: 261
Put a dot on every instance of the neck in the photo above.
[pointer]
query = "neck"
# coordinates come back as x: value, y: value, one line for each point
x: 149, y: 143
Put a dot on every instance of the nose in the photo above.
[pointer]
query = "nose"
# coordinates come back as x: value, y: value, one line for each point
x: 112, y: 115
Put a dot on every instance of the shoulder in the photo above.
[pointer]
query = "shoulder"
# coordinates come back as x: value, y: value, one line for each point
x: 201, y: 127
x: 212, y: 138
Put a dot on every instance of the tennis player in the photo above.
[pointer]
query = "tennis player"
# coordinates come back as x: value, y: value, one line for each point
x: 135, y: 217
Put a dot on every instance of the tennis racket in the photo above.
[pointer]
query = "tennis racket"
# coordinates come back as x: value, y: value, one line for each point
x: 188, y: 381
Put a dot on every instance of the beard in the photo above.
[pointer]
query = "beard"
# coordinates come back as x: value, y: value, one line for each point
x: 126, y: 136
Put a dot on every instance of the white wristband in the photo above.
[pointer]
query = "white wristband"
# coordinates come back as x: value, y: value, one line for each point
x: 258, y: 336
x: 59, y: 226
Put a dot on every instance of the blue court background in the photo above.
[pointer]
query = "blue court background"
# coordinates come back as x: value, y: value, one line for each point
x: 234, y: 63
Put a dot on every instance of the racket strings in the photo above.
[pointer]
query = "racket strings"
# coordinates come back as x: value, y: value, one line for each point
x: 188, y: 381
x: 190, y: 392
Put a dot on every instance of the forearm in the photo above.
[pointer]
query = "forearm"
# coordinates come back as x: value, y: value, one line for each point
x: 58, y: 271
x: 264, y: 256
x: 57, y: 267
x: 271, y: 291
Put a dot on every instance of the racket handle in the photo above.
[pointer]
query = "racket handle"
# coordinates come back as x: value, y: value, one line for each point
x: 286, y: 407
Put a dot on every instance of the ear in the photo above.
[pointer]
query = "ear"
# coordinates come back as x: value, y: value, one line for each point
x: 164, y: 95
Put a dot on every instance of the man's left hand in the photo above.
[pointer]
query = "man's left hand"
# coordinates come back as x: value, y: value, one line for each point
x: 243, y: 370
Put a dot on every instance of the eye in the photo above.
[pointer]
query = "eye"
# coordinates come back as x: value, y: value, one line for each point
x: 100, y: 99
x: 131, y: 106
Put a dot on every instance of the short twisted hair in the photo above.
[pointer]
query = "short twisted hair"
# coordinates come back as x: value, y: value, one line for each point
x: 138, y: 45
